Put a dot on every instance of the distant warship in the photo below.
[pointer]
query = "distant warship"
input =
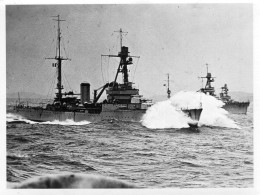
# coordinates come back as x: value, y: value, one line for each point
x: 233, y: 107
x: 123, y: 101
x: 192, y: 113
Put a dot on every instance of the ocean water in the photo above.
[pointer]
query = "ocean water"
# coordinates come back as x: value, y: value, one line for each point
x: 149, y: 155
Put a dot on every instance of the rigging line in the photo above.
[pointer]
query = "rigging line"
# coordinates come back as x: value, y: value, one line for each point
x: 108, y: 69
x: 115, y: 60
x: 108, y: 79
x: 67, y: 81
x: 115, y: 45
x: 38, y: 67
x: 56, y: 52
x: 68, y: 48
x: 51, y: 46
x: 135, y: 69
x: 68, y: 35
x: 53, y: 84
x: 56, y: 46
x: 129, y: 41
x: 115, y: 66
x: 51, y: 88
x: 64, y: 49
x: 102, y: 70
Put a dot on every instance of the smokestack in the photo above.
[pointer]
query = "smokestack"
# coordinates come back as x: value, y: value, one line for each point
x: 85, y: 92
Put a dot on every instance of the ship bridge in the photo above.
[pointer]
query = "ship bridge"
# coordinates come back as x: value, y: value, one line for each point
x: 121, y: 93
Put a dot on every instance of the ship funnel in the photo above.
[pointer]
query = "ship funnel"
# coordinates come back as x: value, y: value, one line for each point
x: 85, y: 92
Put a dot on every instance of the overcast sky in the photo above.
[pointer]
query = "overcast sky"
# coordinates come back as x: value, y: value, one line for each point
x: 174, y: 38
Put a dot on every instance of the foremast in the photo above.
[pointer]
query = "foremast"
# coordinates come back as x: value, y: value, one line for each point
x: 168, y: 86
x: 59, y: 60
x: 208, y: 89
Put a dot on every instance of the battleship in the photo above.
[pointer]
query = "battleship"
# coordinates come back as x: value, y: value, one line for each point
x: 122, y: 103
x: 233, y: 107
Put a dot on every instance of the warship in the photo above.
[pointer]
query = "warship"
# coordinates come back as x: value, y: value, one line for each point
x: 233, y: 107
x: 123, y: 101
x: 192, y: 113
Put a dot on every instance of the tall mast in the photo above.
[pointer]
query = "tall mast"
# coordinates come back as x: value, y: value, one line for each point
x: 59, y: 61
x: 59, y: 86
x: 123, y: 56
x: 208, y: 89
x: 121, y: 36
x: 125, y: 59
x: 168, y: 86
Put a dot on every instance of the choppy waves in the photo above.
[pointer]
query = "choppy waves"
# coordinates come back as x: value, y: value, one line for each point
x: 219, y: 155
x: 213, y: 157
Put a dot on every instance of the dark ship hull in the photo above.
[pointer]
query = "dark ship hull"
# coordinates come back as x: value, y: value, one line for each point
x: 236, y: 107
x: 132, y: 115
x: 43, y: 115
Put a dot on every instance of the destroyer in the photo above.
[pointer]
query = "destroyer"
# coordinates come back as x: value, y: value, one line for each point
x: 233, y: 107
x: 123, y: 101
x: 192, y: 113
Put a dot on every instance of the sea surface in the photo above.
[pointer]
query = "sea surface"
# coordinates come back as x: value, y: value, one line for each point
x: 154, y: 158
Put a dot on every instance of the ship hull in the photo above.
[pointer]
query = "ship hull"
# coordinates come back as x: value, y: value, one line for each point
x: 194, y: 114
x: 43, y: 115
x: 236, y: 107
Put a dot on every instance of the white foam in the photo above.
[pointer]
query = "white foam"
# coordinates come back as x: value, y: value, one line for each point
x: 14, y: 117
x: 66, y: 122
x: 164, y: 115
x: 187, y: 100
x: 213, y: 114
x: 167, y: 114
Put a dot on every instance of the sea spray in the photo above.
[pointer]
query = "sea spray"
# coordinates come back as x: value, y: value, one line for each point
x: 67, y: 122
x: 187, y: 100
x: 17, y: 118
x: 164, y: 115
x: 213, y: 114
x: 168, y: 114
